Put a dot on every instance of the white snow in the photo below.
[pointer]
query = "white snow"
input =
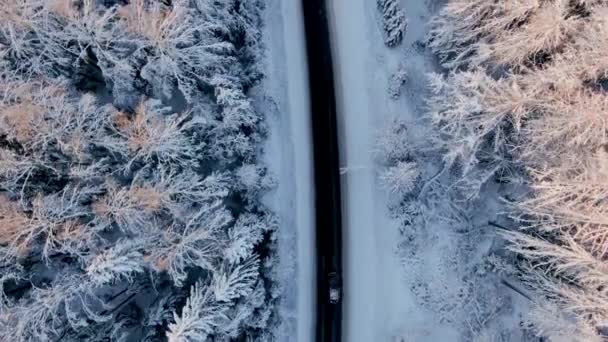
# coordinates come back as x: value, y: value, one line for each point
x: 375, y: 297
x: 378, y: 279
x: 288, y: 153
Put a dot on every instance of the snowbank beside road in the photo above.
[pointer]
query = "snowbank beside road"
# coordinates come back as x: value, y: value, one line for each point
x: 376, y: 299
x: 289, y: 155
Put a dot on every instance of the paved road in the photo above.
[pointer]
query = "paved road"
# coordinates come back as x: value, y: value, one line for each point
x: 326, y: 169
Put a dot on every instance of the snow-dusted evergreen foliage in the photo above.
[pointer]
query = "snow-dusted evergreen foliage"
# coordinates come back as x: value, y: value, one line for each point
x: 392, y: 144
x: 129, y: 177
x: 439, y: 240
x: 401, y: 178
x: 400, y: 172
x: 525, y: 96
x: 396, y: 82
x: 394, y: 22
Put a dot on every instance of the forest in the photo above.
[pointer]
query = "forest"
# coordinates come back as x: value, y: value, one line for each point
x: 515, y: 156
x: 523, y: 101
x: 156, y: 170
x: 129, y: 172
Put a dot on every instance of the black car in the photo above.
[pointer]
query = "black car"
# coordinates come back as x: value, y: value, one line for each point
x: 334, y: 288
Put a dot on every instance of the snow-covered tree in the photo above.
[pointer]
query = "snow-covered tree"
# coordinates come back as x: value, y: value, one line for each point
x: 396, y: 82
x: 246, y: 233
x: 392, y: 144
x: 152, y: 133
x: 199, y: 318
x: 394, y: 22
x: 122, y: 261
x: 549, y: 321
x: 401, y: 178
x: 184, y: 48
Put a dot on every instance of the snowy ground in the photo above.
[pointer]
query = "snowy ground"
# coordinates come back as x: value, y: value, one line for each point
x: 289, y: 156
x: 377, y: 300
x: 398, y: 289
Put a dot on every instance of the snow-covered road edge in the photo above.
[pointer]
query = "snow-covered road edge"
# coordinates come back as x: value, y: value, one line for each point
x: 288, y: 153
x: 359, y: 248
x: 375, y: 297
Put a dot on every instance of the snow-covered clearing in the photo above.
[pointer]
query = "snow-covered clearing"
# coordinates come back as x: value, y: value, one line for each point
x: 412, y: 286
x: 289, y: 156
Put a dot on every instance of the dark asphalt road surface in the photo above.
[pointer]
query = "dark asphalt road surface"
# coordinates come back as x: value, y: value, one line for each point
x: 326, y: 170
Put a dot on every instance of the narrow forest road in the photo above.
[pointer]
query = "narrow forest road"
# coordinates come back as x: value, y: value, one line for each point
x: 328, y: 212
